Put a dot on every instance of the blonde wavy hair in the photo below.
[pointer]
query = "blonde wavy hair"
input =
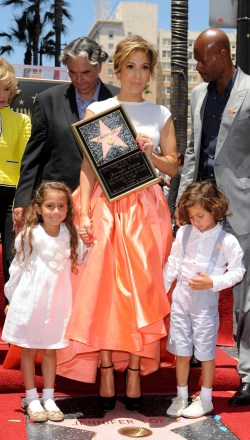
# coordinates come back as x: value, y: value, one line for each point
x: 8, y: 78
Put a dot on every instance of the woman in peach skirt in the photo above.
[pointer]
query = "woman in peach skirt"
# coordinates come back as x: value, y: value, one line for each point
x: 120, y: 301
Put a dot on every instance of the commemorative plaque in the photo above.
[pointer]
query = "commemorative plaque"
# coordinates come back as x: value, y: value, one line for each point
x: 108, y: 142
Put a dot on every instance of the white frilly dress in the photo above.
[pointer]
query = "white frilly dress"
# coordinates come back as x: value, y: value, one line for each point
x: 39, y: 291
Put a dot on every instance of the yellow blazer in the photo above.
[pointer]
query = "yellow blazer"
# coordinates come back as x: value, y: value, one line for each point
x: 15, y: 133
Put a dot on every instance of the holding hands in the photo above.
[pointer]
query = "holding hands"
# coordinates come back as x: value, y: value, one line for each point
x: 86, y: 230
x: 18, y: 218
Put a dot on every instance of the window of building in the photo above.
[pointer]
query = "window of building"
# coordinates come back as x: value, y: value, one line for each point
x: 165, y: 90
x: 111, y: 34
x: 111, y: 46
x: 191, y: 66
x: 110, y: 72
x: 166, y: 66
x: 166, y: 78
x: 110, y: 60
x: 192, y: 79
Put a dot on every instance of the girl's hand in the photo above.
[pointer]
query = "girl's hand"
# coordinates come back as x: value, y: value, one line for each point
x: 145, y: 143
x: 6, y: 309
x: 86, y: 230
x: 202, y: 282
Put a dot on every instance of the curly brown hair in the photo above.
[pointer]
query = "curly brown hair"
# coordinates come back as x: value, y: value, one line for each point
x: 32, y: 218
x: 208, y: 196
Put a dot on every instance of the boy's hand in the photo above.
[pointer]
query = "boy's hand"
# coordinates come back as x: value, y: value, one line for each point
x: 6, y: 309
x: 202, y: 282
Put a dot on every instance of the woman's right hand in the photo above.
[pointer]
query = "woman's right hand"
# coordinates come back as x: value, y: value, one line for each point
x: 86, y: 230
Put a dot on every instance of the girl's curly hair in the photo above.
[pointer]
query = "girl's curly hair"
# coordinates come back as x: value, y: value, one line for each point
x: 32, y: 218
x: 208, y: 196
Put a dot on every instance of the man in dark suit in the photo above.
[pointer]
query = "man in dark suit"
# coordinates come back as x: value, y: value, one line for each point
x: 52, y: 152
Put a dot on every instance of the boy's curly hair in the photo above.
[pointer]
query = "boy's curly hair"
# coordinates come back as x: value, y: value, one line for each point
x: 208, y: 196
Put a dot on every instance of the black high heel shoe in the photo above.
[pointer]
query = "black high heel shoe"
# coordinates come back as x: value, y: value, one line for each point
x: 132, y: 403
x: 108, y: 403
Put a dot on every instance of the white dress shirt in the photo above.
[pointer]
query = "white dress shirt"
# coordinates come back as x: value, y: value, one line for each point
x: 229, y: 268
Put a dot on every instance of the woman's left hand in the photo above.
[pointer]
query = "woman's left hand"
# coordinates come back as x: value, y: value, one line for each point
x: 145, y: 143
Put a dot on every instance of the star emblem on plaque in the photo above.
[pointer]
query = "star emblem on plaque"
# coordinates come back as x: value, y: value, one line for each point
x: 108, y: 142
x: 109, y: 138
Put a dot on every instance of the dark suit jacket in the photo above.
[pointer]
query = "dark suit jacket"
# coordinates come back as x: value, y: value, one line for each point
x: 52, y: 152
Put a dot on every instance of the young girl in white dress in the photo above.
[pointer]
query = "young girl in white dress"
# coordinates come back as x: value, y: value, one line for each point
x: 39, y: 291
x: 204, y: 259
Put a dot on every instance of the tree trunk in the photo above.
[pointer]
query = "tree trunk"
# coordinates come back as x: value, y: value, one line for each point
x: 37, y: 32
x: 28, y: 56
x: 179, y: 71
x: 243, y: 33
x: 58, y: 30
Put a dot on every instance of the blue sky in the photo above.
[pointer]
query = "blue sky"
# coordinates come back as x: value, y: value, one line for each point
x: 83, y: 14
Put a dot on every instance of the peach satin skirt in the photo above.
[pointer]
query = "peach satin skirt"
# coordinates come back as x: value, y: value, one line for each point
x: 119, y: 300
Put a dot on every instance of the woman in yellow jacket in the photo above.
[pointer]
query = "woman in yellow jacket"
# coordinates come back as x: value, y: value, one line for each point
x: 15, y: 130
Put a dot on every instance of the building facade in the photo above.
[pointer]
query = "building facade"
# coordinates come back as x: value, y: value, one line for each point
x: 142, y: 18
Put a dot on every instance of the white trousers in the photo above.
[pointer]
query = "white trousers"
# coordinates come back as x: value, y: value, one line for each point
x: 194, y: 322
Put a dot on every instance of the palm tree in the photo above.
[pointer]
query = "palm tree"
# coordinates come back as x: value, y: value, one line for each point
x: 179, y: 70
x: 31, y: 24
x: 32, y: 14
x: 22, y: 34
x: 7, y: 48
x: 60, y: 12
x: 47, y: 47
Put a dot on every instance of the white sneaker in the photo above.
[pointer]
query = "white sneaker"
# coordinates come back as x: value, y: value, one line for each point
x: 177, y: 406
x: 198, y: 408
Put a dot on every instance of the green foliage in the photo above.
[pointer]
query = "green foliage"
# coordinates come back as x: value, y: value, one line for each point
x: 147, y: 89
x: 31, y: 28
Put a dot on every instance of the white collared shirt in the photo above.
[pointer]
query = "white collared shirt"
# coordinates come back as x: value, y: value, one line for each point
x: 229, y: 268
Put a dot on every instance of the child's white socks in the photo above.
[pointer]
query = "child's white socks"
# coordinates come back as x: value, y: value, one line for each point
x: 48, y: 399
x: 182, y: 392
x: 206, y: 394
